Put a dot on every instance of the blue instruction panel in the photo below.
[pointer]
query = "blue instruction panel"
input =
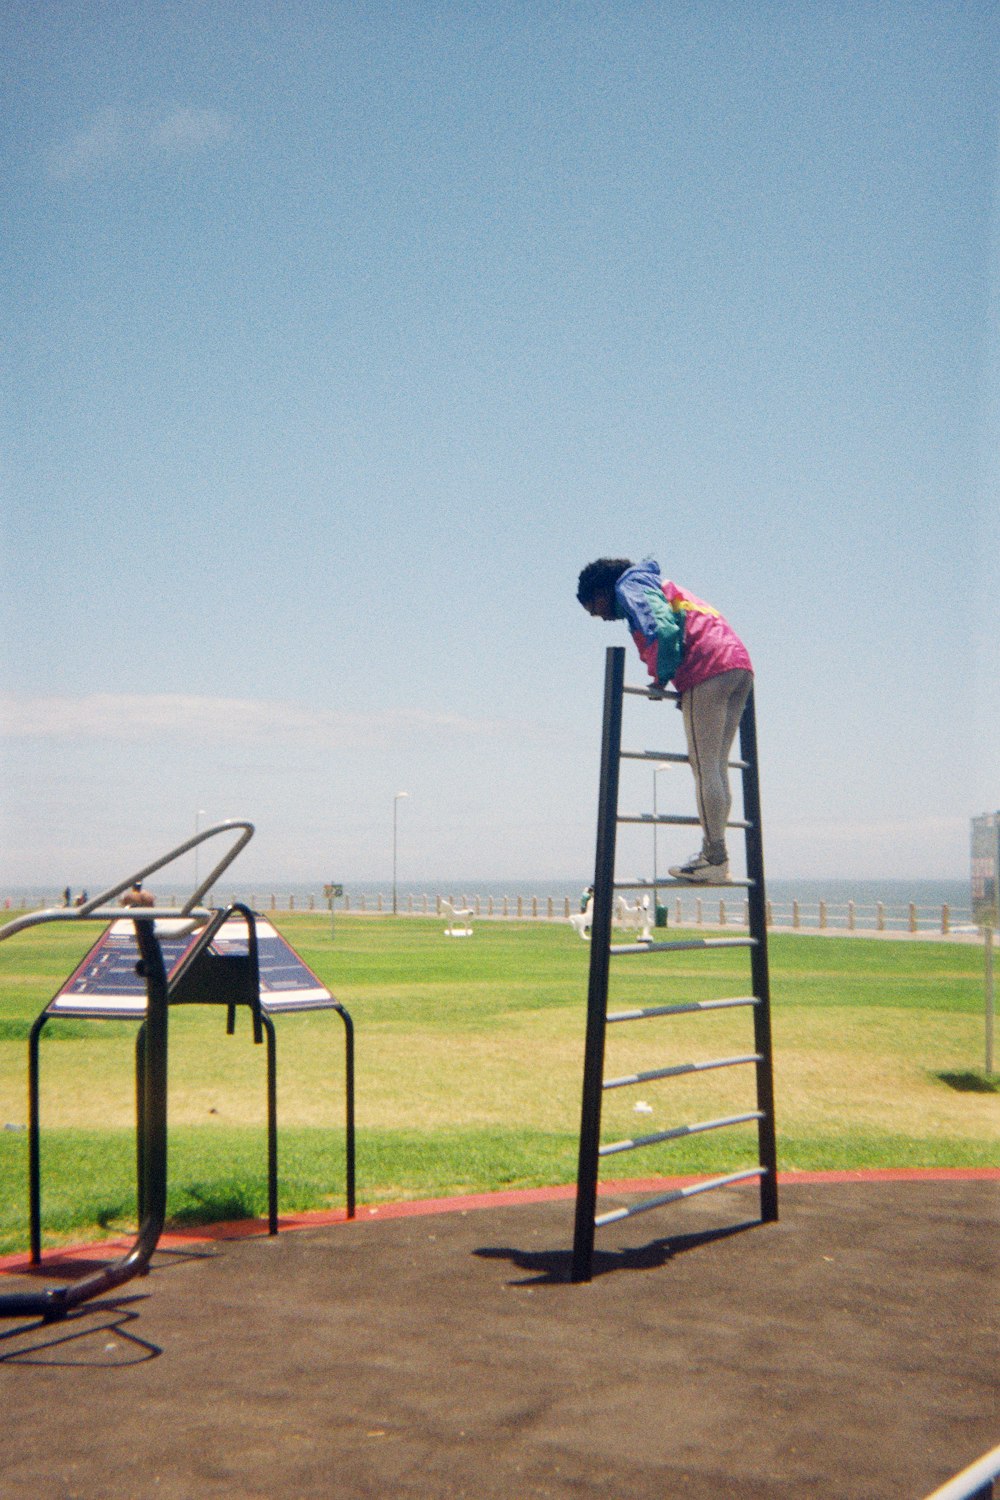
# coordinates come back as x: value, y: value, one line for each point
x: 106, y: 984
x: 986, y: 870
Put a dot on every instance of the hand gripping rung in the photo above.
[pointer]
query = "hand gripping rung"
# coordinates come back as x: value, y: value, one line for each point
x: 655, y: 694
x: 678, y: 1132
x: 676, y: 1194
x: 680, y: 1010
x: 680, y: 1069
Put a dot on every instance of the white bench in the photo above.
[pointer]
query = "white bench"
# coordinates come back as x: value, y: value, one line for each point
x: 581, y: 921
x: 459, y: 919
x: 636, y: 916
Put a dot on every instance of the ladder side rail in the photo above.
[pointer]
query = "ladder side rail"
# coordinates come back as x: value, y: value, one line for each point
x: 757, y: 904
x: 600, y: 953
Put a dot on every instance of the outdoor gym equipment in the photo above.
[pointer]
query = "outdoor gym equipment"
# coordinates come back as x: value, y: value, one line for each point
x: 602, y: 951
x: 148, y: 959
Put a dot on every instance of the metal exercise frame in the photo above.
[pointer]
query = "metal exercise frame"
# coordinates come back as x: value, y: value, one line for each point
x: 602, y: 950
x: 191, y: 983
x: 203, y: 977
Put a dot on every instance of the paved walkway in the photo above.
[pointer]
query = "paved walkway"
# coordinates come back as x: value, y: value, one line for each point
x: 846, y: 1353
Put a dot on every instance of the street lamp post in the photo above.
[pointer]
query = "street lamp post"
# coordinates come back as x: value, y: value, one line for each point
x: 656, y: 893
x: 198, y: 815
x: 395, y: 809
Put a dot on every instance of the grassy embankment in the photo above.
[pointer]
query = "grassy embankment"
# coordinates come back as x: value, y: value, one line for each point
x: 469, y: 1070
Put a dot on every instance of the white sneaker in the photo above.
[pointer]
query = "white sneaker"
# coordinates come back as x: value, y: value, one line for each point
x: 698, y: 871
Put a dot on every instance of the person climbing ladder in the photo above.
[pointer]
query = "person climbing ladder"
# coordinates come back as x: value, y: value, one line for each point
x: 686, y: 643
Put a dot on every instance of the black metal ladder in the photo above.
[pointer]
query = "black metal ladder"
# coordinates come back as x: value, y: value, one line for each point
x: 591, y: 1150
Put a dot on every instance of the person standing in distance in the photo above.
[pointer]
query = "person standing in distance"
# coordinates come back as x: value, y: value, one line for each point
x: 684, y: 642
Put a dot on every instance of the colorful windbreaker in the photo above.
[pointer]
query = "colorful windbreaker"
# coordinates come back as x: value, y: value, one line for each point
x: 681, y: 639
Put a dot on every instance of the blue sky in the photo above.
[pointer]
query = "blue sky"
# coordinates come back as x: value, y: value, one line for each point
x: 338, y: 337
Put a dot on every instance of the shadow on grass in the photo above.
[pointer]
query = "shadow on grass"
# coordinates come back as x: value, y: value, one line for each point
x: 211, y: 1205
x: 970, y: 1082
x: 555, y: 1267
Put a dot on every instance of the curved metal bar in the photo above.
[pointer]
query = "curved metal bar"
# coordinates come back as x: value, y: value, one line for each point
x: 92, y: 909
x: 56, y: 1302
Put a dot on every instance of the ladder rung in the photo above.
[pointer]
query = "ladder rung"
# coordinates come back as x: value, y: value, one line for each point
x: 680, y: 1069
x: 678, y: 820
x: 676, y: 1194
x: 674, y: 757
x: 683, y: 945
x: 679, y: 1131
x: 680, y: 1010
x: 654, y: 693
x: 678, y: 885
x: 674, y: 820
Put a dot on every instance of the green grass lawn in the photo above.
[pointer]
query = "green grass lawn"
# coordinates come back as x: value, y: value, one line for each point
x: 469, y: 1068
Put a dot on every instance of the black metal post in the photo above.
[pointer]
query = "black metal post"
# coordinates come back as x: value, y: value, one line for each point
x: 600, y: 944
x: 757, y: 904
x: 272, y: 1125
x: 349, y: 1091
x: 34, y: 1144
x: 140, y: 1142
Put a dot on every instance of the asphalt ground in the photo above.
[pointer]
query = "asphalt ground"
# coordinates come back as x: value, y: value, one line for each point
x: 849, y: 1351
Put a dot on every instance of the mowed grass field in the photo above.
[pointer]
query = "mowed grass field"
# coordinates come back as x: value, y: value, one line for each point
x: 469, y: 1069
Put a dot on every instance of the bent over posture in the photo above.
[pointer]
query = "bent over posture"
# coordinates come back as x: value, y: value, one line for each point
x: 685, y: 642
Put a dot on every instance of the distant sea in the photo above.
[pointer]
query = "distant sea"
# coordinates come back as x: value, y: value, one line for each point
x: 895, y: 895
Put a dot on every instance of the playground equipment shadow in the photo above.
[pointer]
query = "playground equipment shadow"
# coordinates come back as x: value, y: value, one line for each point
x: 846, y: 1352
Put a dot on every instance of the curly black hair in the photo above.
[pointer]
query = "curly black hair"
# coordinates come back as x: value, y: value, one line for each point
x: 600, y: 577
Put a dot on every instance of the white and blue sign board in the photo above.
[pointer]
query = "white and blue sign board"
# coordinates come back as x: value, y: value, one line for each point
x: 106, y: 982
x: 985, y: 869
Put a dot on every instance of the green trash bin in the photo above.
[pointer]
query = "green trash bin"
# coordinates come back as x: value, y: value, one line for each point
x: 661, y: 915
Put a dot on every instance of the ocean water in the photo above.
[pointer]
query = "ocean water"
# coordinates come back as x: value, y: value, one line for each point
x: 895, y: 896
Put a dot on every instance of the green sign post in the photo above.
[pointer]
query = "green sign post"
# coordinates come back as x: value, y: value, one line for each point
x: 331, y: 892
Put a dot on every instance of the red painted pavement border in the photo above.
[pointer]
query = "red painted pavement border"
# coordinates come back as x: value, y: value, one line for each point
x: 83, y: 1258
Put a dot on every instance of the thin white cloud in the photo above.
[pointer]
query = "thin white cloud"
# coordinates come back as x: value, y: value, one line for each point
x: 189, y: 130
x: 117, y: 139
x: 132, y: 717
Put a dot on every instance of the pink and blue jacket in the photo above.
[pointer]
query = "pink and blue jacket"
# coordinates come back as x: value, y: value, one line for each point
x: 681, y: 639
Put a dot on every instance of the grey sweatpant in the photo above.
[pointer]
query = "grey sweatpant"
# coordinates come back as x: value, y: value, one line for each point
x: 712, y: 712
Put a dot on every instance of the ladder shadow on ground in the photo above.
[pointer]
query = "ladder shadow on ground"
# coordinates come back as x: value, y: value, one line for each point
x: 555, y: 1267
